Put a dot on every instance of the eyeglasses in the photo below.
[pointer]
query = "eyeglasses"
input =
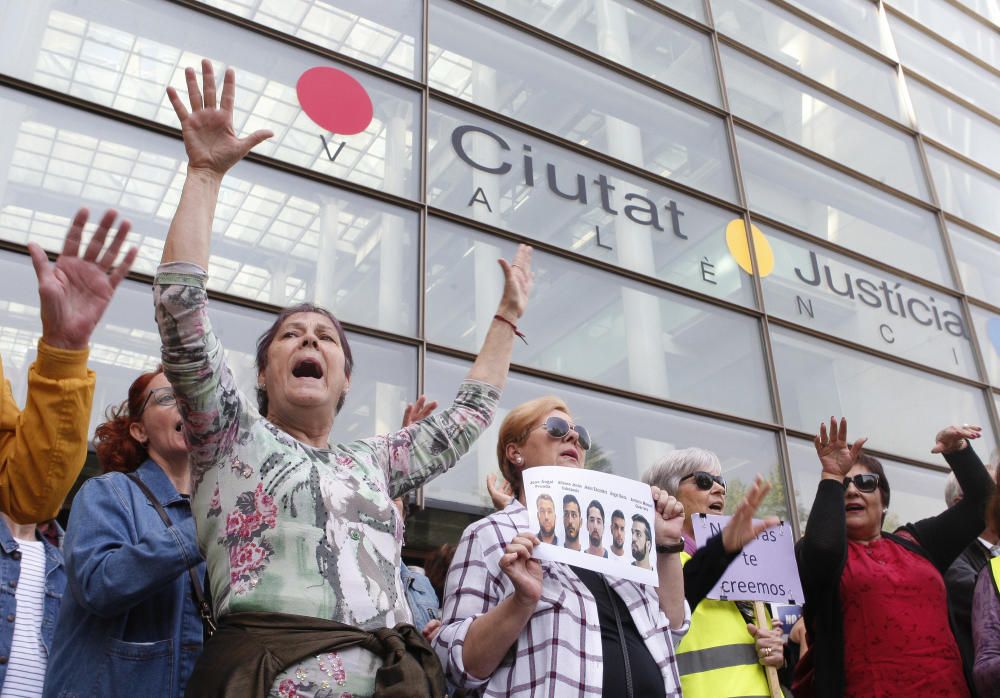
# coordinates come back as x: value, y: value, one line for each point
x: 704, y: 481
x: 557, y: 428
x: 865, y: 482
x: 161, y: 396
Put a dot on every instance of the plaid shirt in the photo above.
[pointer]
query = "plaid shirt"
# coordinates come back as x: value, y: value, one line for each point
x: 559, y: 652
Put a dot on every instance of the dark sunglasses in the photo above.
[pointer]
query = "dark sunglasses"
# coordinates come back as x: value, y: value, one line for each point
x: 704, y: 481
x: 557, y: 428
x: 865, y: 482
x: 161, y: 396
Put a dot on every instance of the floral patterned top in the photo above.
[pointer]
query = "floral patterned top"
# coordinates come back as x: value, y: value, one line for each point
x: 285, y: 526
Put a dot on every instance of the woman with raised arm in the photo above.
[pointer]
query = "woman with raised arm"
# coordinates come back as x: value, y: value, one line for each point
x: 876, y: 609
x: 300, y: 535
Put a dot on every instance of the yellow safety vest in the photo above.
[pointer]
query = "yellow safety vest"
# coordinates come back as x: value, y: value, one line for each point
x: 718, y: 657
x: 995, y: 568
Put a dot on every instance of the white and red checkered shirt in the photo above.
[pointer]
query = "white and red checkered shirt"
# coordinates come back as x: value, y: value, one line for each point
x: 558, y: 653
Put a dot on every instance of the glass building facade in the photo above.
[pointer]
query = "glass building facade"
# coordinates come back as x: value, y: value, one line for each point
x: 748, y: 215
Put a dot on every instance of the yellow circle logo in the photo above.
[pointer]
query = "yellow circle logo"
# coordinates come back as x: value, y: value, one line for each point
x: 736, y: 241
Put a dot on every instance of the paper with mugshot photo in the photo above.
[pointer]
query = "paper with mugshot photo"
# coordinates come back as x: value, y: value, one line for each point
x: 594, y: 520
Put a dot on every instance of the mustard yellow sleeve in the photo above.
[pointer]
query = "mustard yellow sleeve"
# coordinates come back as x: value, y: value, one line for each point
x: 43, y: 448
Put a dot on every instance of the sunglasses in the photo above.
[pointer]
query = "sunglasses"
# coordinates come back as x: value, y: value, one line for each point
x: 704, y: 481
x: 161, y: 396
x: 557, y: 428
x: 864, y: 482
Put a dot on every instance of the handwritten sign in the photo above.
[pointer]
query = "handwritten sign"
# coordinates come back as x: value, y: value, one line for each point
x: 765, y: 569
x: 594, y: 520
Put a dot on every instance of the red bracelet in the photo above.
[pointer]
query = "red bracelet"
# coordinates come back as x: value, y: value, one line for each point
x: 517, y: 332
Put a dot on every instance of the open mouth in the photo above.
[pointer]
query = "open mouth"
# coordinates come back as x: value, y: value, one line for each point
x: 308, y: 368
x: 854, y: 507
x: 715, y: 507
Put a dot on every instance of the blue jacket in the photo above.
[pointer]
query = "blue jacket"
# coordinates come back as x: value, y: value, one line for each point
x: 420, y: 596
x: 129, y: 625
x: 10, y: 573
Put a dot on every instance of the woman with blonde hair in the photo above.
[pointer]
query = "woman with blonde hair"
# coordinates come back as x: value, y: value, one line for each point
x: 514, y: 625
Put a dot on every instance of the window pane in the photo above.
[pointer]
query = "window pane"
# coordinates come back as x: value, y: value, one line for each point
x: 988, y: 9
x: 826, y: 203
x: 558, y: 196
x: 123, y: 53
x: 692, y: 8
x: 955, y: 126
x: 965, y: 191
x: 631, y: 34
x: 271, y: 228
x: 949, y: 22
x: 900, y: 408
x: 493, y: 66
x: 988, y: 332
x: 942, y: 66
x: 811, y: 51
x: 916, y: 492
x: 858, y: 18
x: 127, y: 343
x: 596, y: 326
x: 813, y: 120
x: 384, y: 33
x: 846, y: 299
x: 628, y: 437
x: 978, y: 260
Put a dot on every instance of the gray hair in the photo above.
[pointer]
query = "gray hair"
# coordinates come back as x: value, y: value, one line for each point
x: 667, y: 472
x: 953, y: 490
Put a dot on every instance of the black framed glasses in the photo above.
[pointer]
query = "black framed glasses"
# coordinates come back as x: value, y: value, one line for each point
x: 164, y: 397
x: 704, y: 481
x: 557, y: 428
x: 864, y: 482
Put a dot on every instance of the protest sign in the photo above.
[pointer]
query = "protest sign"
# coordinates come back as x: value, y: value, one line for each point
x: 765, y: 569
x: 594, y: 520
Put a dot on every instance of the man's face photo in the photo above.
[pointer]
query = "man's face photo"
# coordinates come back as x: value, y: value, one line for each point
x: 571, y: 521
x: 595, y: 526
x: 640, y: 542
x: 617, y: 532
x: 546, y: 515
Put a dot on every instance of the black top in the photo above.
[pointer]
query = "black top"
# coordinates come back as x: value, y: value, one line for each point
x: 646, y: 677
x: 703, y: 571
x: 822, y: 552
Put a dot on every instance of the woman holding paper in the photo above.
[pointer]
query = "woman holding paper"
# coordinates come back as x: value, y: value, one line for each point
x: 876, y: 609
x: 517, y: 626
x: 724, y: 653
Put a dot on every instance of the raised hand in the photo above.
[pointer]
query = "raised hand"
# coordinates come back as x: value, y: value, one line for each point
x: 518, y: 280
x: 209, y: 138
x: 415, y: 411
x: 741, y: 528
x: 75, y: 291
x: 502, y: 495
x: 832, y: 448
x: 524, y: 571
x: 668, y: 524
x: 955, y: 438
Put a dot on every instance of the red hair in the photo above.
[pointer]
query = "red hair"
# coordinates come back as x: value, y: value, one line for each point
x: 117, y: 450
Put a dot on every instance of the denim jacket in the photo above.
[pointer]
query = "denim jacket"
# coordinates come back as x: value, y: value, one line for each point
x: 10, y: 573
x: 129, y: 624
x: 420, y: 596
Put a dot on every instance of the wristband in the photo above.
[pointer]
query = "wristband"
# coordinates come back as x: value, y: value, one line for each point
x: 671, y: 549
x: 517, y: 332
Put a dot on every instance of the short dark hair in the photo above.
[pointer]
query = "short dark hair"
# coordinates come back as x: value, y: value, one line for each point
x: 266, y: 339
x: 642, y: 520
x: 875, y: 466
x: 544, y: 495
x: 595, y: 504
x: 993, y: 508
x: 570, y: 499
x: 618, y: 514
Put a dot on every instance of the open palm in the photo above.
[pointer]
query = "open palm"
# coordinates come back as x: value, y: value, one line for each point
x: 835, y: 454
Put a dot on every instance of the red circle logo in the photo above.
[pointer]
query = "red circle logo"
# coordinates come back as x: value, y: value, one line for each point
x: 334, y: 100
